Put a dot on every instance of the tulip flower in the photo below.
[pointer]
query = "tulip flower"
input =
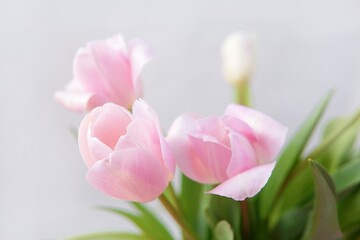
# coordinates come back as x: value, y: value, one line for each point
x: 236, y: 151
x: 105, y: 71
x: 127, y: 155
x: 238, y: 58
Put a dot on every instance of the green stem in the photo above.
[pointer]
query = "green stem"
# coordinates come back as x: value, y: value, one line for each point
x: 245, y: 220
x: 242, y: 93
x: 176, y: 216
x: 174, y: 197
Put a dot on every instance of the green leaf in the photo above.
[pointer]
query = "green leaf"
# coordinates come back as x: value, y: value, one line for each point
x: 338, y: 143
x: 191, y: 197
x: 349, y: 209
x: 324, y: 222
x: 291, y: 225
x: 289, y: 157
x: 340, y: 152
x: 152, y: 220
x: 297, y: 193
x: 223, y: 208
x: 149, y: 228
x: 109, y: 236
x: 299, y: 188
x: 347, y: 176
x: 223, y: 231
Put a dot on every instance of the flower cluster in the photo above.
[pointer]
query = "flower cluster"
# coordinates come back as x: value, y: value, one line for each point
x: 309, y: 191
x: 121, y: 141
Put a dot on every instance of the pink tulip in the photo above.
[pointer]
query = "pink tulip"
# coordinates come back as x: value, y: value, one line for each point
x: 126, y: 154
x: 237, y: 150
x: 105, y: 71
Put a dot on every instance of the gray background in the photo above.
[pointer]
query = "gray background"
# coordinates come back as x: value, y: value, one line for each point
x: 304, y: 49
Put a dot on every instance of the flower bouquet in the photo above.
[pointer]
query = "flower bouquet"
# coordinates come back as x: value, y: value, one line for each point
x: 237, y: 179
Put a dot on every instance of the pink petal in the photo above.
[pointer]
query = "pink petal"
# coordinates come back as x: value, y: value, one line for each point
x: 74, y: 101
x: 212, y: 127
x: 99, y: 150
x: 96, y: 101
x: 141, y: 133
x: 168, y: 156
x: 243, y: 155
x: 236, y: 125
x: 113, y: 66
x: 141, y: 109
x: 117, y: 43
x: 85, y: 134
x: 140, y: 55
x: 181, y: 148
x: 182, y: 124
x: 245, y: 184
x: 79, y: 102
x: 87, y: 73
x: 111, y: 124
x: 213, y: 156
x: 270, y: 133
x: 132, y: 175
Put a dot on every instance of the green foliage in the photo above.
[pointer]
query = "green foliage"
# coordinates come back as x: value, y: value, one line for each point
x: 290, y: 157
x: 223, y: 231
x: 191, y: 202
x: 291, y: 225
x: 222, y: 208
x: 324, y: 222
x: 151, y: 227
x: 109, y: 236
x: 298, y: 190
x: 349, y: 210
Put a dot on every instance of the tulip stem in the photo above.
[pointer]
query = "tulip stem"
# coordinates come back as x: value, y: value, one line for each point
x: 245, y: 221
x: 242, y: 93
x: 176, y: 216
x: 173, y: 195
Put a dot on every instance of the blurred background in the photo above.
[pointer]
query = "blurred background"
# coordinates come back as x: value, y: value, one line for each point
x: 304, y: 49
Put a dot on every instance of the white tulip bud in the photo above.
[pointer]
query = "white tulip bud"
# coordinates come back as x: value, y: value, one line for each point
x: 238, y: 55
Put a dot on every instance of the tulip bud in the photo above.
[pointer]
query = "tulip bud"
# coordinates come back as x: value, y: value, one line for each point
x: 238, y: 57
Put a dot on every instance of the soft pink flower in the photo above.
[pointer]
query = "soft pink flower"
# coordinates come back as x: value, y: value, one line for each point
x: 105, y: 71
x: 126, y: 154
x: 236, y: 150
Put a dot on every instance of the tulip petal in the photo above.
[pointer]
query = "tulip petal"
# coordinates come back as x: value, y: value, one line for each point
x: 181, y: 148
x: 111, y: 124
x: 74, y: 101
x: 245, y: 184
x: 141, y: 133
x: 243, y: 155
x: 99, y: 150
x: 113, y: 66
x: 214, y: 156
x: 213, y: 128
x: 84, y: 134
x: 117, y: 42
x: 182, y: 124
x: 140, y: 55
x: 95, y: 101
x: 270, y: 133
x: 132, y: 174
x: 86, y: 72
x: 142, y: 110
x: 236, y: 125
